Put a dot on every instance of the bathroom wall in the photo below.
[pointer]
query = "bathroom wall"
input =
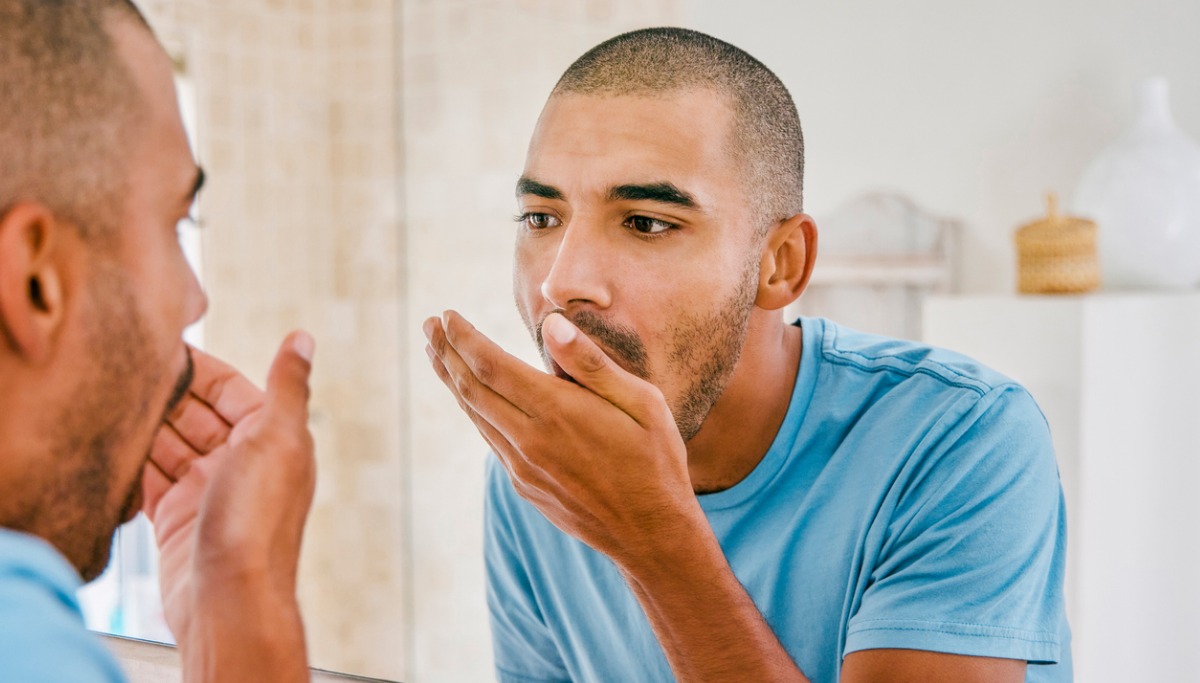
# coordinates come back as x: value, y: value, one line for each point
x: 297, y: 121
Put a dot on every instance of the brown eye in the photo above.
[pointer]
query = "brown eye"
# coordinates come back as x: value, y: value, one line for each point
x: 648, y: 226
x: 538, y: 221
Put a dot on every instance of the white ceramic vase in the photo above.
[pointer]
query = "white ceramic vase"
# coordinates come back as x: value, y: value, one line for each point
x: 1144, y: 194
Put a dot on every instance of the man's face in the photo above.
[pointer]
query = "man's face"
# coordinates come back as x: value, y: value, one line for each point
x: 637, y: 226
x: 141, y: 296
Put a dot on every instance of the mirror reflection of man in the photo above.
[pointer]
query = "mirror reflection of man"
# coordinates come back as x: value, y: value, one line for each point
x: 699, y: 490
x: 95, y: 176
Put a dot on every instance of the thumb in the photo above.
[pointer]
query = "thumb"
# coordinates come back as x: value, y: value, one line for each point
x: 287, y: 381
x: 587, y: 364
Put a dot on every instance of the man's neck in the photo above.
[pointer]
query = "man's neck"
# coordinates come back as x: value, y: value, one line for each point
x: 742, y: 425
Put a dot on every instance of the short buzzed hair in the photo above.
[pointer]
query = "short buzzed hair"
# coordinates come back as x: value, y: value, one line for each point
x: 68, y: 105
x: 766, y: 136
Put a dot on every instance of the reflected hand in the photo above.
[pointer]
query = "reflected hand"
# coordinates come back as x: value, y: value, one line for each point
x: 228, y: 488
x: 602, y: 459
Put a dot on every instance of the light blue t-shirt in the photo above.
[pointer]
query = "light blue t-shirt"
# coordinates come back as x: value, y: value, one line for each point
x: 42, y: 636
x: 910, y: 500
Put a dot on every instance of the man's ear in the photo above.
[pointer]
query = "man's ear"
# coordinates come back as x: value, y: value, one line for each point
x: 32, y: 306
x: 789, y: 252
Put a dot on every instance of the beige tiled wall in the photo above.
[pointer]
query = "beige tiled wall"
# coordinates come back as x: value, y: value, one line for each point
x: 362, y: 156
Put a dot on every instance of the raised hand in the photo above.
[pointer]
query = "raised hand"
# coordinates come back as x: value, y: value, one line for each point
x: 603, y: 460
x: 228, y: 488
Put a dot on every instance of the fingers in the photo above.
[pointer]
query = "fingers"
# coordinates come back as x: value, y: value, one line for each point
x: 287, y: 381
x: 224, y: 389
x: 473, y: 394
x: 198, y: 425
x: 489, y: 433
x: 172, y: 454
x: 508, y: 376
x: 587, y: 363
x: 219, y: 396
x: 155, y: 485
x: 519, y: 467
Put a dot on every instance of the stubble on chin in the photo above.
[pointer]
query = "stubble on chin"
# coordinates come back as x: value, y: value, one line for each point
x: 96, y: 483
x: 707, y: 350
x: 101, y: 552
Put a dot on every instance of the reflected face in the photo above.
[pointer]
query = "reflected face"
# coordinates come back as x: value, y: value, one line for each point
x: 635, y: 224
x: 141, y: 295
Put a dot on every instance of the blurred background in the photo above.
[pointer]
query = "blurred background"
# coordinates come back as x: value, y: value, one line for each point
x: 362, y: 156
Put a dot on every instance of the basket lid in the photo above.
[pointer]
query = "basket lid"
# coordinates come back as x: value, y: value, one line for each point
x: 1055, y: 224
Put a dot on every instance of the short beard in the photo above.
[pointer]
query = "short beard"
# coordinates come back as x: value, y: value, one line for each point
x: 706, y: 348
x: 77, y: 511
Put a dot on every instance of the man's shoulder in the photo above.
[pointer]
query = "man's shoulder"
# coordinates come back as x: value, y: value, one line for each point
x: 42, y: 634
x: 875, y: 357
x: 897, y: 387
x: 30, y: 566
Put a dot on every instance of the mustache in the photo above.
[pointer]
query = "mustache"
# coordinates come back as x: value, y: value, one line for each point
x: 183, y: 384
x: 618, y: 341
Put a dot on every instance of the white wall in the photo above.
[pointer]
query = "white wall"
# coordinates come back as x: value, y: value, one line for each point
x: 974, y: 109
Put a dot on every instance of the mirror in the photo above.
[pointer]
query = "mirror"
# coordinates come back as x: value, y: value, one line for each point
x: 361, y: 159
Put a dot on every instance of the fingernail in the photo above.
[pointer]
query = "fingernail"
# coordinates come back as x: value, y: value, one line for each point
x: 304, y: 345
x: 559, y: 329
x: 429, y: 352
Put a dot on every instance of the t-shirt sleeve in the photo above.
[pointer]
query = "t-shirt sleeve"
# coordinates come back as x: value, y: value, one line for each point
x: 974, y: 550
x: 523, y: 647
x: 43, y: 639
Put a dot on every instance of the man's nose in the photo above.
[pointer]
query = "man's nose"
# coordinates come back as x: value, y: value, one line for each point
x: 582, y: 270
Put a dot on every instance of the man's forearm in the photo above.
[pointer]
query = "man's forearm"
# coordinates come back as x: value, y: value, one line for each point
x: 709, y: 628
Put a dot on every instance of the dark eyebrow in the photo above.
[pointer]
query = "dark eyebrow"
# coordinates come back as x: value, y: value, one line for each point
x: 197, y: 185
x: 529, y: 186
x: 664, y: 193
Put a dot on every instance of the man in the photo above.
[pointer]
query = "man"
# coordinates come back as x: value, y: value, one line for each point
x: 95, y: 174
x: 699, y: 490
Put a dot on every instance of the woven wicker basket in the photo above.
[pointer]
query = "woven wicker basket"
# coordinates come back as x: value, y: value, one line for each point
x: 1057, y: 254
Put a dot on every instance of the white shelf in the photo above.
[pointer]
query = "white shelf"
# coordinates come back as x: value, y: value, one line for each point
x: 1117, y: 376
